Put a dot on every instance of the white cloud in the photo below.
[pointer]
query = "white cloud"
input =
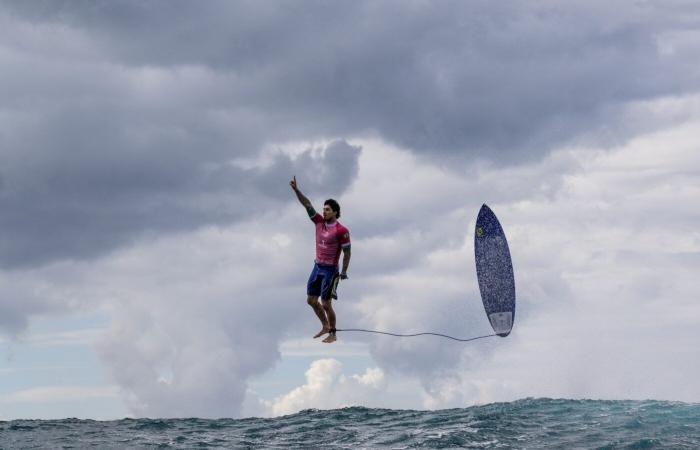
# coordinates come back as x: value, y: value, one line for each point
x: 185, y: 338
x: 606, y: 251
x: 328, y: 388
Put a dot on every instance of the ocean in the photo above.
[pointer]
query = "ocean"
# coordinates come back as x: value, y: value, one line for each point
x: 522, y: 424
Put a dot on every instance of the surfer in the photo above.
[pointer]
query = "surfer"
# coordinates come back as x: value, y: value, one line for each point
x: 331, y: 238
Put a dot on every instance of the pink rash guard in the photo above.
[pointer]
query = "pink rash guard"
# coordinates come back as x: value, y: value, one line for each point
x: 330, y: 239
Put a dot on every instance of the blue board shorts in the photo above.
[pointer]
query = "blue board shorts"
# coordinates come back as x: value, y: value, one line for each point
x: 323, y: 281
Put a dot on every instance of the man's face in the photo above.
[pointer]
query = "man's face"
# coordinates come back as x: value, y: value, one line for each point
x: 328, y: 213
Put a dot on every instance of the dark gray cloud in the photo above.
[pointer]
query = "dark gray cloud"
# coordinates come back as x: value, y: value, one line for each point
x: 95, y: 154
x: 93, y: 200
x: 120, y: 117
x: 505, y: 81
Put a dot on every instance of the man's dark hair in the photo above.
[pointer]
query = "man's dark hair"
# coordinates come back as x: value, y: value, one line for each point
x: 334, y: 206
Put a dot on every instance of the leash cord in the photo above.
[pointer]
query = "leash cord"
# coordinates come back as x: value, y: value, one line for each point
x: 417, y: 334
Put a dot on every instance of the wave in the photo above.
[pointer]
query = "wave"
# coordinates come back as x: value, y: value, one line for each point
x: 528, y: 423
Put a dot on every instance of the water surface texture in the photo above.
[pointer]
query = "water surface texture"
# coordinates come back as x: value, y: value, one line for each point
x: 523, y: 424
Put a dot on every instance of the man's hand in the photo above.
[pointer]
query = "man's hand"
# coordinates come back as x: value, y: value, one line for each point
x: 293, y: 183
x: 343, y: 276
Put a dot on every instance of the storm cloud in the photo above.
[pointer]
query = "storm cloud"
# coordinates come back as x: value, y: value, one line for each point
x: 115, y: 113
x: 502, y: 79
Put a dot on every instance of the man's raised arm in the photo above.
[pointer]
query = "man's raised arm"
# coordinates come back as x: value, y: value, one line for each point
x: 302, y: 199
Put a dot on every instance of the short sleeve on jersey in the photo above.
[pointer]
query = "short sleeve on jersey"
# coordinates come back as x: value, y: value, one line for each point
x: 344, y: 237
x: 317, y: 218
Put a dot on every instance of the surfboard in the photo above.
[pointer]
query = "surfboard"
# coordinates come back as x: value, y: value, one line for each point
x: 494, y: 270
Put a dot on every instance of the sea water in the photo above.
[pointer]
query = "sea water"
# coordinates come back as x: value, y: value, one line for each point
x: 522, y: 424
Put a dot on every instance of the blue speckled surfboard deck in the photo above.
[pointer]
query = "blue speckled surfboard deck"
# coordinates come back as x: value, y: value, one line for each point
x: 494, y: 269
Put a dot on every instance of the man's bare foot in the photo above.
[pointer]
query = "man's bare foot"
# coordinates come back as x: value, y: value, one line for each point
x: 323, y: 331
x: 330, y: 339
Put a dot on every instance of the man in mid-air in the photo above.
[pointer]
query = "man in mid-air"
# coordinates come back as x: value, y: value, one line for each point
x: 331, y: 238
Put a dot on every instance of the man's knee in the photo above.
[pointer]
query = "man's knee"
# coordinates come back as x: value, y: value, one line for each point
x: 312, y: 300
x: 326, y: 304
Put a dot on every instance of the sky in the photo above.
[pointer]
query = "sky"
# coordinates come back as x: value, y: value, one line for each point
x: 153, y: 258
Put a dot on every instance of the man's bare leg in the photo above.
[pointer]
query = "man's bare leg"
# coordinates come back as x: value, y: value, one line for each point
x: 318, y: 309
x: 328, y: 309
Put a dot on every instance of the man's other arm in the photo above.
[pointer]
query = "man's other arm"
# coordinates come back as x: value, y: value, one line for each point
x: 346, y: 262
